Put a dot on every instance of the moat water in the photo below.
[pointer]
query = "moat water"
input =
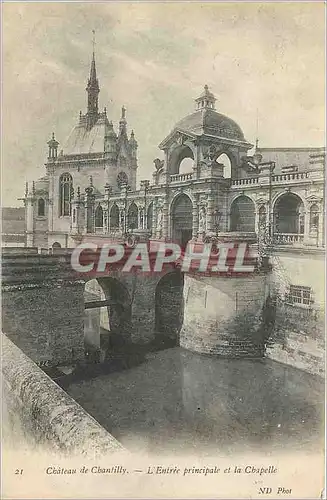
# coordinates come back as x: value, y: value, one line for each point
x: 176, y: 401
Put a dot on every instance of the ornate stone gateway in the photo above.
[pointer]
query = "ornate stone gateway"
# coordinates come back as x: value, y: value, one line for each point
x: 181, y: 220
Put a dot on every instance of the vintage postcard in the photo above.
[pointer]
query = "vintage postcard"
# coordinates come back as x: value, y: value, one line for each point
x: 163, y: 250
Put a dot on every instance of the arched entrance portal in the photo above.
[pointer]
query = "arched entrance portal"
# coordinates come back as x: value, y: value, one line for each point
x: 181, y: 220
x: 169, y: 309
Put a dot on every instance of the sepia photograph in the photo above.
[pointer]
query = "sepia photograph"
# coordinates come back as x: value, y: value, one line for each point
x: 163, y: 249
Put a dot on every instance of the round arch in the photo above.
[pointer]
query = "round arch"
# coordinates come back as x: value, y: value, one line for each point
x: 288, y: 214
x: 177, y: 156
x: 181, y: 219
x: 242, y: 214
x: 225, y: 160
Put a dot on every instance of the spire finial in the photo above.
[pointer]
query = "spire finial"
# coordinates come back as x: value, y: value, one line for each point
x: 123, y: 113
x: 93, y: 42
x: 93, y: 90
x: 256, y: 143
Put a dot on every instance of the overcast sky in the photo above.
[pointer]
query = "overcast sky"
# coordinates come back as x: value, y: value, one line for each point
x: 155, y: 59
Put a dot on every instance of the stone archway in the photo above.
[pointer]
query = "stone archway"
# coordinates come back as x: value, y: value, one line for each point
x: 111, y: 303
x: 242, y: 215
x: 177, y: 156
x: 289, y: 214
x: 169, y: 309
x: 181, y: 220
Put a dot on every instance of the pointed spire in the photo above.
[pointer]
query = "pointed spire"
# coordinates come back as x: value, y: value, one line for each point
x: 122, y: 122
x: 132, y: 141
x: 93, y: 90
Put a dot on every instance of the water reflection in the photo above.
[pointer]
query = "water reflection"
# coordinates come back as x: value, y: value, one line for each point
x: 180, y: 401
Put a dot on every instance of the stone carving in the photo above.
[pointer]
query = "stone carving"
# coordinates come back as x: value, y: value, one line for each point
x: 159, y: 165
x: 211, y: 155
x: 159, y: 218
x: 202, y: 220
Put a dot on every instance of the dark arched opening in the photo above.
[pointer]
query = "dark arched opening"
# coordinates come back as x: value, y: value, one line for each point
x: 98, y: 217
x: 289, y: 214
x: 242, y: 216
x: 169, y: 309
x: 41, y: 207
x: 114, y: 217
x: 132, y: 217
x: 65, y: 194
x: 119, y: 303
x: 181, y: 220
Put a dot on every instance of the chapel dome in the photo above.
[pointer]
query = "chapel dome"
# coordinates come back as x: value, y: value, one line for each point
x: 206, y: 120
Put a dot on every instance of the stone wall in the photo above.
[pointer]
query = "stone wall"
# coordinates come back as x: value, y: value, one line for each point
x: 298, y: 339
x: 47, y: 416
x: 223, y: 316
x: 46, y: 322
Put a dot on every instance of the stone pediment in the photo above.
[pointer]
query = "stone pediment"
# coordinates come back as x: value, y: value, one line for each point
x: 313, y: 199
x: 176, y: 138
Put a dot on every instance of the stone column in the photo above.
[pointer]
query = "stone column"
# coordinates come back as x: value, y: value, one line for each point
x: 195, y: 217
x: 306, y: 235
x: 30, y: 216
x: 210, y: 215
x: 321, y: 227
x: 165, y: 216
x: 154, y: 218
x: 89, y: 210
x: 196, y: 162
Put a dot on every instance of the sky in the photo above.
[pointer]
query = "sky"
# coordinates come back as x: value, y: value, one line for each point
x: 265, y: 63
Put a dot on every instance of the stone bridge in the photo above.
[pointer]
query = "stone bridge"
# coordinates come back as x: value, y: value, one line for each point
x: 43, y: 301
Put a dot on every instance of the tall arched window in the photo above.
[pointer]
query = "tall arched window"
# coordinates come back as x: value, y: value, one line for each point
x: 65, y: 194
x: 314, y: 217
x: 41, y: 207
x: 132, y: 216
x: 98, y: 217
x: 114, y: 217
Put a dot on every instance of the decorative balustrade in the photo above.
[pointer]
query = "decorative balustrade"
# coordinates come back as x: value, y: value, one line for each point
x: 242, y: 182
x: 295, y: 176
x: 288, y: 238
x: 181, y: 177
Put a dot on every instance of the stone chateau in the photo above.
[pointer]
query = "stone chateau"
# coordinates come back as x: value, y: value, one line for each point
x: 209, y: 182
